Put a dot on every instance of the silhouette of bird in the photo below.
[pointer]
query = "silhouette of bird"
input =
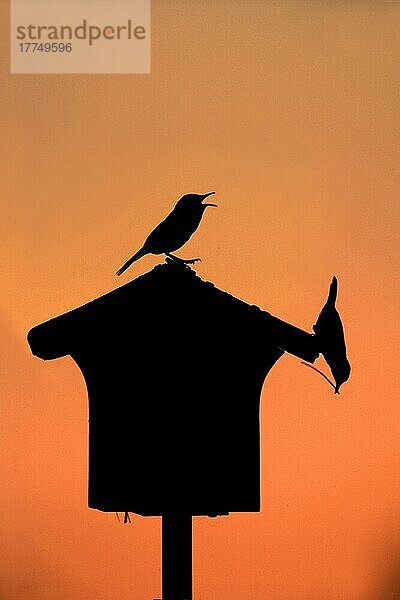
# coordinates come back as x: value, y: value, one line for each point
x: 176, y: 229
x: 330, y: 338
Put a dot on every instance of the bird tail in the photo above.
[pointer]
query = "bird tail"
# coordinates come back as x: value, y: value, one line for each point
x: 332, y: 293
x: 132, y: 259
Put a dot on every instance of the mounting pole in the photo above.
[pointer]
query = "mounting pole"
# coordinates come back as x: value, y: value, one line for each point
x: 177, y: 556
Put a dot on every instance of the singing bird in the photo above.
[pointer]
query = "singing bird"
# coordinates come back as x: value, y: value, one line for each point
x: 329, y: 333
x: 176, y: 229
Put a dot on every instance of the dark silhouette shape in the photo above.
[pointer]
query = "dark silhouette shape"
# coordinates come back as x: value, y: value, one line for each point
x: 174, y: 369
x: 330, y: 338
x: 176, y: 229
x: 177, y: 542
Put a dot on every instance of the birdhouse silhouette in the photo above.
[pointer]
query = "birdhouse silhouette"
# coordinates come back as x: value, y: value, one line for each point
x: 174, y: 369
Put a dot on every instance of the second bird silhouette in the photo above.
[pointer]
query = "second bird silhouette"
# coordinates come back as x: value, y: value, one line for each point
x: 176, y: 229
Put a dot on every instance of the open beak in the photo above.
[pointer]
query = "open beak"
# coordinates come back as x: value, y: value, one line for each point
x: 208, y: 203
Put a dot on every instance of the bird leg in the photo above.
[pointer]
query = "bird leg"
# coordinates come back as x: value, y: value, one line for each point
x: 182, y: 261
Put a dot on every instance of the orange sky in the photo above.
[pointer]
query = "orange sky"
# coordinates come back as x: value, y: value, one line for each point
x: 290, y: 111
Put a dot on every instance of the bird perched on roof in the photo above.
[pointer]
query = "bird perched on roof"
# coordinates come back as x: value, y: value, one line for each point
x: 176, y: 229
x: 330, y: 338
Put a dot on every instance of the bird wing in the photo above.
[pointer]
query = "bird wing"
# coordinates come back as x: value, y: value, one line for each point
x: 170, y: 234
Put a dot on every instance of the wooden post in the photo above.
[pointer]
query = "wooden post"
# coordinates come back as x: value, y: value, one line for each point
x: 177, y: 556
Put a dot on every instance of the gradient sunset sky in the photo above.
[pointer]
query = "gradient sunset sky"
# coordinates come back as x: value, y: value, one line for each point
x: 289, y: 110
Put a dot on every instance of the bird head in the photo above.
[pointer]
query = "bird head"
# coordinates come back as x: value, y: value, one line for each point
x: 194, y: 201
x: 341, y: 372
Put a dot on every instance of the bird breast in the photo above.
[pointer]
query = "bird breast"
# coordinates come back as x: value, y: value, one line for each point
x: 184, y: 229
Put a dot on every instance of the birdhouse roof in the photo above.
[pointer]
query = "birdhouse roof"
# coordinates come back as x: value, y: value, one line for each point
x: 164, y: 284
